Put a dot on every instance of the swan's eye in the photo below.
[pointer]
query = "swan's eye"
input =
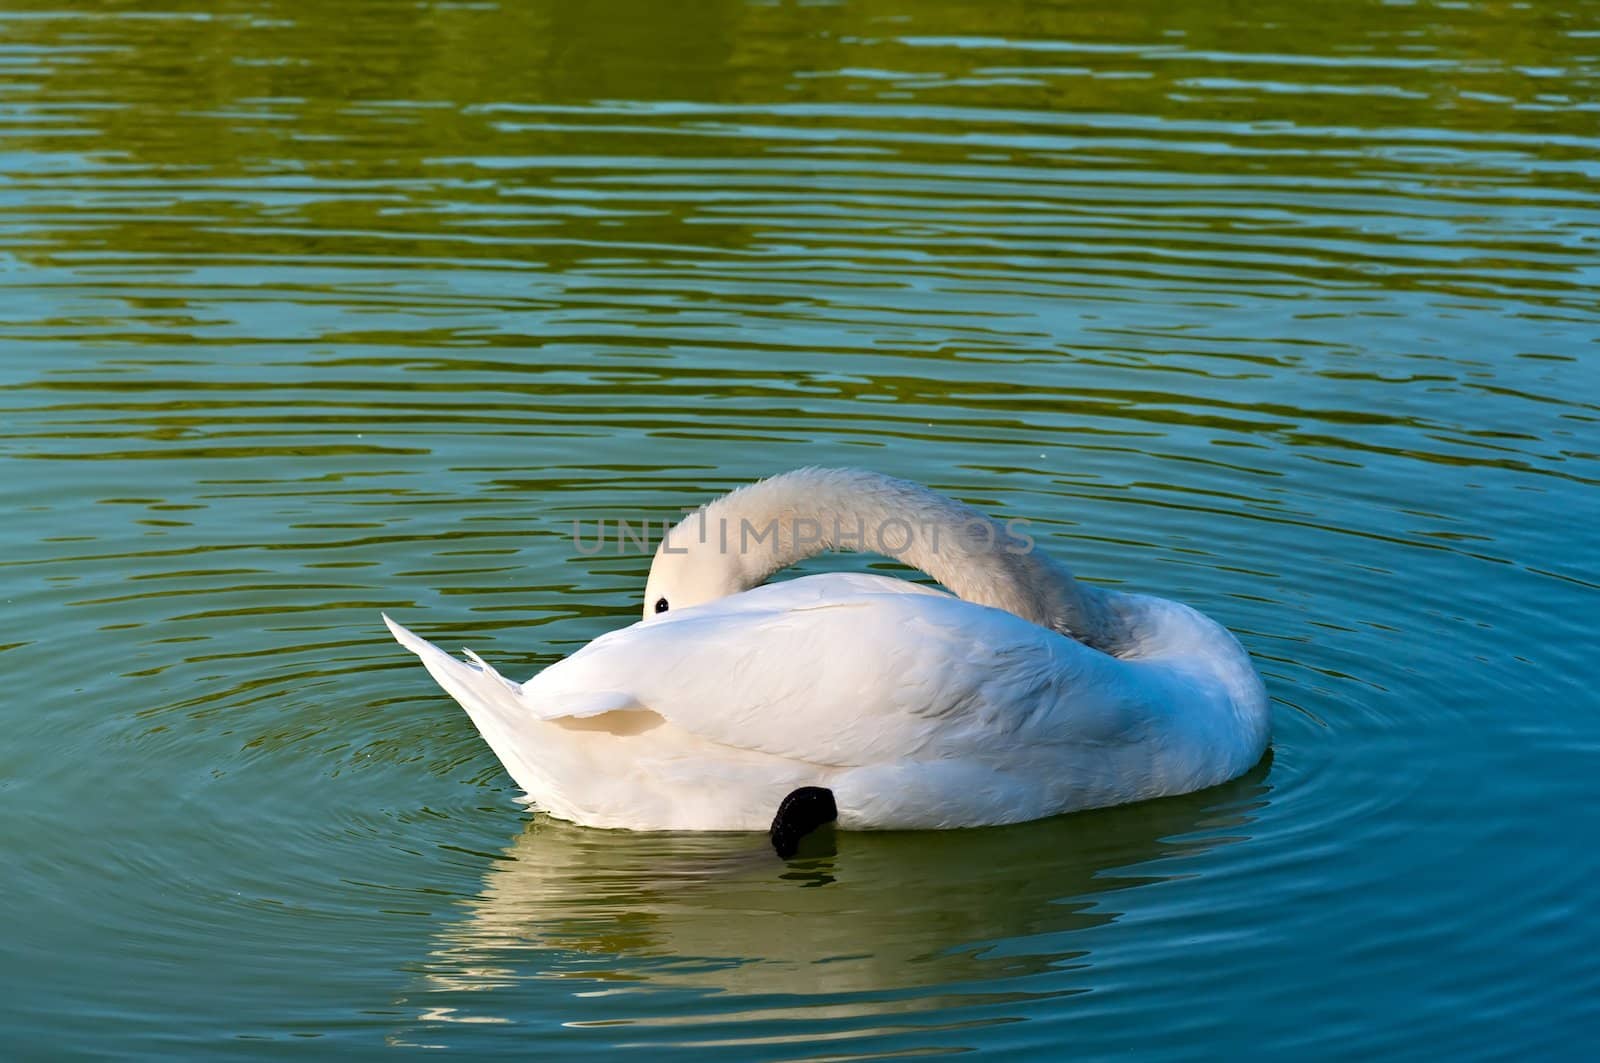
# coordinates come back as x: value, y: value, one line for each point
x: 661, y: 605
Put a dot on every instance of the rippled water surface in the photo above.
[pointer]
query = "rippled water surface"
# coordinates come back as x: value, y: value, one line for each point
x: 309, y: 311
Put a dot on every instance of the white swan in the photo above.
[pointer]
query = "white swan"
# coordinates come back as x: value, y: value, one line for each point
x: 1028, y: 695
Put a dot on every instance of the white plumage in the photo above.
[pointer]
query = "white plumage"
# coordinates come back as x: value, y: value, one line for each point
x: 916, y: 708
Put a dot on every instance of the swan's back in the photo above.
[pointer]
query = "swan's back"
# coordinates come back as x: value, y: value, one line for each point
x: 845, y: 673
x: 917, y: 708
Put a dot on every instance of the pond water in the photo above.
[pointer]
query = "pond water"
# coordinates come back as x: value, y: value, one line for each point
x: 309, y: 311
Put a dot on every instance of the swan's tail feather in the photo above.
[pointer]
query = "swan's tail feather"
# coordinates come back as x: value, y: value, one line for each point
x: 493, y: 702
x: 477, y: 677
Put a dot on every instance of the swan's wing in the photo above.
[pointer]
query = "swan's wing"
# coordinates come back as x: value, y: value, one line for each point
x: 847, y: 674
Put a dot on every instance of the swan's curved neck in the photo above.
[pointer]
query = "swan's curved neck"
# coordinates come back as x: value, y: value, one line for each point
x: 770, y: 525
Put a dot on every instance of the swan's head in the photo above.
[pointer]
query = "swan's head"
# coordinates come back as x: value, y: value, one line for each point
x: 688, y: 572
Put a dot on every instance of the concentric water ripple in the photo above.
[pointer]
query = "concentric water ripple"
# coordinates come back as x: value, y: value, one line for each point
x: 308, y: 312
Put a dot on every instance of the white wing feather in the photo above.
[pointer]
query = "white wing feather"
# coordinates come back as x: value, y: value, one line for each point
x: 833, y: 672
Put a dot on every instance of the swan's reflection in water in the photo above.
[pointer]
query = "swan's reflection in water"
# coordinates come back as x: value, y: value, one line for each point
x: 914, y: 920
